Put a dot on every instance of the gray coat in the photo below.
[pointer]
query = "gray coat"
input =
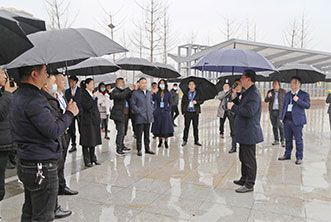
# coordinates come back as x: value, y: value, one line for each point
x: 221, y: 96
x: 142, y: 106
x: 328, y: 100
x: 174, y: 97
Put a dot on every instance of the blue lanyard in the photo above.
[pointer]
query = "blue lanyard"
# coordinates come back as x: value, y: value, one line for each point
x: 191, y: 96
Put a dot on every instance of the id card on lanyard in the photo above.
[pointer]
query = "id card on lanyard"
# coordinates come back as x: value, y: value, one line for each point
x: 191, y: 105
x: 162, y: 103
x: 126, y: 104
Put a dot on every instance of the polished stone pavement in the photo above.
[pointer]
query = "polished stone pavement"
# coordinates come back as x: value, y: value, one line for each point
x: 195, y: 183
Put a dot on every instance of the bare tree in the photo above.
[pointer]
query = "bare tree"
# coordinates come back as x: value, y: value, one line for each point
x: 230, y: 28
x: 58, y: 12
x: 150, y: 29
x: 291, y: 34
x: 250, y: 31
x: 304, y: 32
x: 168, y: 39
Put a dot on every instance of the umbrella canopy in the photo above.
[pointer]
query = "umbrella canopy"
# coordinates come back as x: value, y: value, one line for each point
x: 164, y: 71
x: 59, y: 48
x: 93, y: 66
x: 234, y: 61
x: 307, y: 73
x: 28, y: 23
x: 136, y: 64
x: 13, y: 41
x: 106, y: 78
x: 206, y: 89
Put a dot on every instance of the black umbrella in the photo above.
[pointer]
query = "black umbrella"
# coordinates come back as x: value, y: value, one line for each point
x: 137, y: 64
x: 307, y: 73
x: 65, y: 47
x: 93, y: 66
x: 206, y: 89
x: 164, y: 71
x: 28, y: 23
x: 13, y: 41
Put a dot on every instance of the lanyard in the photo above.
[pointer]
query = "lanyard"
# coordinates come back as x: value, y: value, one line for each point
x: 191, y: 96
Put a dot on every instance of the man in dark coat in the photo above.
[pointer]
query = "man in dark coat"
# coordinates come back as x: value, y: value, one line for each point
x: 73, y: 93
x: 275, y: 98
x: 6, y: 141
x: 50, y: 88
x: 328, y: 100
x: 294, y: 117
x: 191, y: 110
x: 175, y: 102
x: 143, y: 108
x: 35, y: 132
x: 120, y: 112
x: 248, y: 130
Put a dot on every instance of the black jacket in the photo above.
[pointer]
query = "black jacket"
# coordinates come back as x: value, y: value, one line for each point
x: 90, y: 134
x: 35, y: 130
x: 6, y: 140
x: 119, y: 96
x: 185, y: 103
x: 76, y: 98
x: 57, y: 113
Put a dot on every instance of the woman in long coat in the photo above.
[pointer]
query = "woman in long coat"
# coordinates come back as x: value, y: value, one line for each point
x: 163, y: 124
x: 90, y: 135
x: 104, y: 106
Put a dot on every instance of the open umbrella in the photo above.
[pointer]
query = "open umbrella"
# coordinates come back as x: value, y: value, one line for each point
x: 307, y: 73
x: 233, y: 61
x: 28, y: 23
x: 164, y: 71
x: 93, y: 66
x: 13, y: 41
x: 65, y: 47
x: 206, y: 89
x: 136, y: 64
x: 106, y: 78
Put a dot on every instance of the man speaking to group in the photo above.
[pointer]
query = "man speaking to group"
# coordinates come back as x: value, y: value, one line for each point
x: 248, y: 130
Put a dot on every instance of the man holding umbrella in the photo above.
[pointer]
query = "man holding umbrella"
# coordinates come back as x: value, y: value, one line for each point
x: 36, y: 133
x: 248, y: 130
x: 191, y: 110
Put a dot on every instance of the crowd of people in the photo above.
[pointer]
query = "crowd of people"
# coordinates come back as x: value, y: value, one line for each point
x: 39, y: 120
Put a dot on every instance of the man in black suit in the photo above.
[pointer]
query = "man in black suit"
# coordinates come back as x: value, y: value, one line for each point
x: 73, y: 93
x: 328, y: 100
x: 191, y: 110
x: 248, y: 130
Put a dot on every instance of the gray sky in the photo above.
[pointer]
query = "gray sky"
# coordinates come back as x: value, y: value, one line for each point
x: 202, y: 19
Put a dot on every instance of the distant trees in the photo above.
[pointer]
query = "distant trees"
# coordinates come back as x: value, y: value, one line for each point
x: 58, y: 12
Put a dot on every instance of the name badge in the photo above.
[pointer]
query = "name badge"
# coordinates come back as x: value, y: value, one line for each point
x: 126, y: 104
x: 161, y: 105
x: 191, y: 105
x: 289, y: 107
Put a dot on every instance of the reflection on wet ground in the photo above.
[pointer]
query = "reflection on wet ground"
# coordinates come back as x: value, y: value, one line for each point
x: 195, y: 183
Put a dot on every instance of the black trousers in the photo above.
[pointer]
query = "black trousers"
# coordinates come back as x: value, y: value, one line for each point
x: 247, y: 156
x: 89, y: 154
x: 277, y: 125
x: 40, y: 200
x: 104, y: 125
x: 120, y: 127
x: 231, y: 117
x: 72, y: 132
x: 62, y: 161
x: 3, y: 163
x: 222, y: 122
x: 194, y: 118
x: 174, y: 112
x: 140, y: 129
x: 330, y: 119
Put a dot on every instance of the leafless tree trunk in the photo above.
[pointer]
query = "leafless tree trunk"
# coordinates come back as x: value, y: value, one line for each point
x: 152, y: 26
x: 304, y: 32
x: 58, y: 11
x: 291, y: 35
x: 168, y: 40
x: 250, y: 31
x: 230, y: 28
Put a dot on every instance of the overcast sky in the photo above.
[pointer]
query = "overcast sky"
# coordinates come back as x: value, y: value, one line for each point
x: 201, y: 20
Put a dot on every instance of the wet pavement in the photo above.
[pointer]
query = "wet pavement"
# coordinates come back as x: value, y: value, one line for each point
x: 195, y: 183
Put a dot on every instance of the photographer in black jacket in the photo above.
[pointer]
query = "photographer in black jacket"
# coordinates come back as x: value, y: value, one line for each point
x: 36, y: 132
x: 6, y: 142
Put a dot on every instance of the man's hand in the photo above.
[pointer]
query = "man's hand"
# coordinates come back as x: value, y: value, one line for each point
x: 269, y: 94
x: 230, y: 105
x: 133, y: 87
x: 295, y: 98
x: 72, y: 107
x: 194, y: 102
x: 10, y: 89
